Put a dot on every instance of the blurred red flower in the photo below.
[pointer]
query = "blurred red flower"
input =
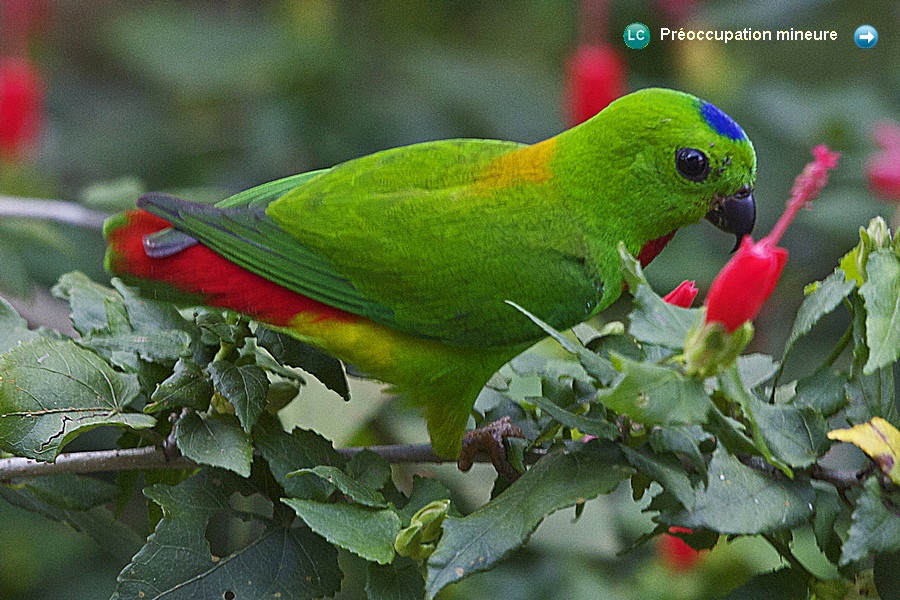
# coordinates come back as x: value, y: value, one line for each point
x: 883, y: 169
x: 596, y: 75
x: 675, y: 553
x: 745, y: 283
x: 21, y: 106
x: 683, y: 295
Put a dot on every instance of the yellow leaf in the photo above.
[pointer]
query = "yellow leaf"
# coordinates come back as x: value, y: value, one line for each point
x: 879, y: 440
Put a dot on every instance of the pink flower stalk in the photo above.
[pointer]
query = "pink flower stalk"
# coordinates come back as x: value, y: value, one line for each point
x: 596, y: 75
x: 745, y: 283
x: 21, y: 106
x: 683, y: 295
x: 883, y: 169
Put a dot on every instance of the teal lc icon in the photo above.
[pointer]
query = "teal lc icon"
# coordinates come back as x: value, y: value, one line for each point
x: 637, y: 36
x: 865, y: 36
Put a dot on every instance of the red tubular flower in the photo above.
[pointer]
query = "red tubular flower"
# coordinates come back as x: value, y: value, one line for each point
x: 683, y: 295
x: 744, y: 284
x: 883, y: 169
x: 596, y: 76
x: 675, y: 553
x: 21, y: 106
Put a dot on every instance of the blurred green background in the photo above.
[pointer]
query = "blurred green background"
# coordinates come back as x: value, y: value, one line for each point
x: 208, y: 97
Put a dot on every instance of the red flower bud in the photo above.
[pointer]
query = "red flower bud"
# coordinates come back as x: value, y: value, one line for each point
x: 883, y: 169
x: 595, y: 77
x: 21, y: 106
x: 745, y: 283
x: 675, y: 553
x: 683, y: 295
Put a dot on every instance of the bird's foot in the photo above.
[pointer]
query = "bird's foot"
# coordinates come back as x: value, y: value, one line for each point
x: 489, y: 439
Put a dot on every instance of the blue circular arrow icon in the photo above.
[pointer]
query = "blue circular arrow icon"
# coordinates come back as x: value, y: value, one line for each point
x: 865, y: 36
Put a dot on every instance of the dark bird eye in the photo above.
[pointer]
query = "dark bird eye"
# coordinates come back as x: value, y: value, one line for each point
x: 691, y: 164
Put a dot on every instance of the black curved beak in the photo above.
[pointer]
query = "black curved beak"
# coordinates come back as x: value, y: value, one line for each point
x: 734, y: 214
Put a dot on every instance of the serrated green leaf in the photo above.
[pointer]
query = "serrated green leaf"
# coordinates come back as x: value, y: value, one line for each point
x: 187, y: 386
x: 631, y: 268
x: 870, y: 395
x: 51, y: 391
x: 654, y: 321
x: 286, y: 452
x: 163, y: 346
x: 176, y: 563
x: 355, y: 490
x: 369, y: 469
x: 292, y: 351
x: 756, y: 369
x: 245, y: 386
x: 655, y: 395
x: 739, y: 499
x: 401, y: 581
x: 881, y: 292
x: 367, y: 532
x: 88, y: 301
x: 586, y: 425
x: 13, y: 328
x: 783, y: 584
x: 875, y: 529
x: 681, y: 439
x: 476, y: 542
x: 148, y: 316
x: 665, y: 470
x: 794, y: 434
x: 215, y: 440
x: 827, y: 296
x: 822, y: 391
x: 827, y: 508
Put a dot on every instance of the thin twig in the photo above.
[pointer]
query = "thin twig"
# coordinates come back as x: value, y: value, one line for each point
x: 151, y: 457
x: 60, y: 211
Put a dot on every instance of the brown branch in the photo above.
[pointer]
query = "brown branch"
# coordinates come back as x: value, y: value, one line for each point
x: 60, y: 211
x: 151, y: 457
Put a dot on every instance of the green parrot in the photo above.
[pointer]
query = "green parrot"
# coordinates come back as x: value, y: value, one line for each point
x: 402, y: 262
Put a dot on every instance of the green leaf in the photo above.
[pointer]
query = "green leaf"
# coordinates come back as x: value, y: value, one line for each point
x: 88, y: 301
x: 164, y: 346
x: 870, y: 395
x: 655, y: 321
x: 887, y: 575
x: 425, y: 490
x: 476, y: 542
x: 827, y: 507
x: 286, y: 452
x: 666, y: 470
x: 367, y: 532
x: 681, y: 439
x: 825, y: 297
x: 755, y: 369
x: 631, y: 268
x: 115, y: 538
x: 369, y: 469
x: 355, y: 490
x: 587, y: 425
x: 783, y: 584
x: 215, y: 440
x: 13, y: 328
x: 148, y: 316
x: 51, y: 391
x: 875, y: 529
x: 796, y: 435
x: 245, y: 386
x: 655, y: 395
x: 739, y: 499
x: 822, y: 391
x: 176, y: 563
x: 187, y: 386
x: 395, y: 582
x: 882, y: 295
x: 70, y: 492
x: 292, y: 351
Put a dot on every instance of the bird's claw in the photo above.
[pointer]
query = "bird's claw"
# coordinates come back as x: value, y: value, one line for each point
x: 489, y: 440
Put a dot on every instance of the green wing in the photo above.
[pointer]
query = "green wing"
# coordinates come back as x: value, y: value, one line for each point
x: 408, y: 238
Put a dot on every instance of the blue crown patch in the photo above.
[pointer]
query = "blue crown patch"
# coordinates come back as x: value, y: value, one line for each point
x: 721, y: 123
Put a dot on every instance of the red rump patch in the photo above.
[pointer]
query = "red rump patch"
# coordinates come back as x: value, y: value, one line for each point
x: 198, y: 270
x: 652, y: 248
